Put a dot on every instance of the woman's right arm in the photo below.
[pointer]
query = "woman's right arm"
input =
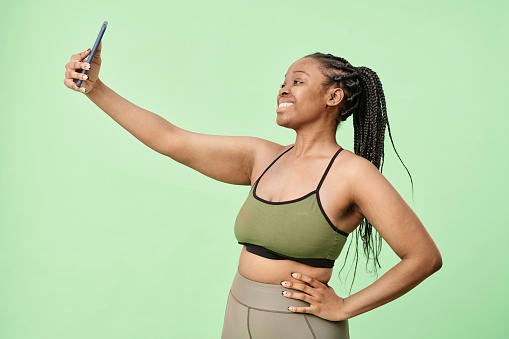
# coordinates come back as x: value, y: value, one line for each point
x: 229, y: 159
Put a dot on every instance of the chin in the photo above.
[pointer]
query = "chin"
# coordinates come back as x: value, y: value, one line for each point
x: 283, y: 121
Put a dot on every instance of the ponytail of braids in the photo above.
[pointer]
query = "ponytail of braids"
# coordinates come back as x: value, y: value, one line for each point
x: 365, y: 100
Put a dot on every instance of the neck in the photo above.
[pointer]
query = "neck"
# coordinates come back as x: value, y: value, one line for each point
x: 315, y: 143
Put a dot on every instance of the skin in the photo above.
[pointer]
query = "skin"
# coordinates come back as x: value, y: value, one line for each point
x: 352, y: 190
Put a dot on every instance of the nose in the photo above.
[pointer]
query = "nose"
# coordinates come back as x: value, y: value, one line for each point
x: 283, y: 90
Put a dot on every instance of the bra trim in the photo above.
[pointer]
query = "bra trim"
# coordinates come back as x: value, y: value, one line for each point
x: 316, y: 191
x: 266, y: 253
x: 281, y: 202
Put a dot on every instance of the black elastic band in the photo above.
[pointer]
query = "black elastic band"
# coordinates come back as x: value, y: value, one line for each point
x: 266, y: 253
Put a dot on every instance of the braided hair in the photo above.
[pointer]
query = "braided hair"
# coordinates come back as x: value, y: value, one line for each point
x: 365, y: 100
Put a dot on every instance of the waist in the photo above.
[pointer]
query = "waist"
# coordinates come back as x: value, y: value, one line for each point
x: 269, y: 271
x: 267, y: 313
x: 264, y: 296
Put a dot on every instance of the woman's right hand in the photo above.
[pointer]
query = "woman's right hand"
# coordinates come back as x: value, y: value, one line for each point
x: 74, y: 67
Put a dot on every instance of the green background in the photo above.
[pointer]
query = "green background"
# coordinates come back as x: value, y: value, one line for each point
x: 101, y: 237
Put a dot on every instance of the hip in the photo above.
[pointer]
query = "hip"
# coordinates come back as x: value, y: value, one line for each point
x: 258, y: 310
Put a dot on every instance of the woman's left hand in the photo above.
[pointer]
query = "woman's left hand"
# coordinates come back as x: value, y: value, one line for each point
x: 323, y: 301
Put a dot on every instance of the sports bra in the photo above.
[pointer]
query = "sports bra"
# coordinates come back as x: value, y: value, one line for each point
x: 296, y: 229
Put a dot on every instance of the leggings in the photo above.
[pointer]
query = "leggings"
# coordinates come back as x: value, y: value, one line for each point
x: 259, y: 311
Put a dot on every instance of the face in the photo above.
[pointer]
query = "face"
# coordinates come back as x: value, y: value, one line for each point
x: 303, y: 99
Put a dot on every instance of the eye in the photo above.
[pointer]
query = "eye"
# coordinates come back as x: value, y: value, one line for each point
x: 295, y: 82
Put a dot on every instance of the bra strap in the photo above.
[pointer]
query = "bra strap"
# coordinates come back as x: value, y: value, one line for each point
x: 328, y: 168
x: 272, y: 163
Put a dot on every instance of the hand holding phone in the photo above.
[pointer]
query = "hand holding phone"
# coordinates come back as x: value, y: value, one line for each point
x: 94, y: 49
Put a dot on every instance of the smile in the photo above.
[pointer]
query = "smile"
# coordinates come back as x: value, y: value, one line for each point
x: 285, y: 104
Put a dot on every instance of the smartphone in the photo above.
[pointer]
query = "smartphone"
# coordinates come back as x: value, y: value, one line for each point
x: 94, y: 49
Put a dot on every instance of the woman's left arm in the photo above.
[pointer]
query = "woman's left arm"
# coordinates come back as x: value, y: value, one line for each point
x: 400, y: 227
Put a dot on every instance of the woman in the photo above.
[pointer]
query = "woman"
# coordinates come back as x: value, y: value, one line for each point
x: 305, y: 198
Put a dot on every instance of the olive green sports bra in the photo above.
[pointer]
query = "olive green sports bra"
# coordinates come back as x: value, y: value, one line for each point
x: 296, y: 229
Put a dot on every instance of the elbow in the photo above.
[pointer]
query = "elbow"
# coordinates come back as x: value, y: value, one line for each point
x: 435, y: 263
x: 428, y: 264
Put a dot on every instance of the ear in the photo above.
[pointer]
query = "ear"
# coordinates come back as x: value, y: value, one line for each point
x: 335, y: 96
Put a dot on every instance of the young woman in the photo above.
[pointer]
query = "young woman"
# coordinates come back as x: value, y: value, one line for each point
x: 305, y: 198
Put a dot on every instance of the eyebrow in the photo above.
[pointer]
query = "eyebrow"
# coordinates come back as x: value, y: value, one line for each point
x: 301, y: 72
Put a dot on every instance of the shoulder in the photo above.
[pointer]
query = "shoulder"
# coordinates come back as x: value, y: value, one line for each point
x: 352, y: 166
x: 264, y: 153
x: 366, y: 186
x: 358, y: 176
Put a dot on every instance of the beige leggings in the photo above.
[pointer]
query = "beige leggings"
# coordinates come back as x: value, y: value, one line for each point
x: 259, y: 311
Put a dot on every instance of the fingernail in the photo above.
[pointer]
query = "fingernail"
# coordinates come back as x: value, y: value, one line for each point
x: 290, y: 308
x: 85, y: 77
x: 283, y: 292
x: 83, y: 89
x: 294, y: 275
x: 281, y: 283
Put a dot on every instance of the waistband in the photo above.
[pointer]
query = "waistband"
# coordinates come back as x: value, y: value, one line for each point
x: 265, y: 297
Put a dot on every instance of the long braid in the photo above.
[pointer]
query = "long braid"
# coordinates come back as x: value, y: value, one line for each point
x: 365, y: 100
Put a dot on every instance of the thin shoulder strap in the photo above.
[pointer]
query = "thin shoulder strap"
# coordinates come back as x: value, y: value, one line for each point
x: 272, y: 163
x: 328, y: 168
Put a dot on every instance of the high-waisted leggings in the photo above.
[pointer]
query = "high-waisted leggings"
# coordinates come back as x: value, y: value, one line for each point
x: 259, y: 311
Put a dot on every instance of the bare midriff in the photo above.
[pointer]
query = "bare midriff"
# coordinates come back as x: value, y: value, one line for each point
x: 269, y: 271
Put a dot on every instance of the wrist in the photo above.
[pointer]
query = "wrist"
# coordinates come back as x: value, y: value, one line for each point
x: 345, y: 311
x: 98, y: 86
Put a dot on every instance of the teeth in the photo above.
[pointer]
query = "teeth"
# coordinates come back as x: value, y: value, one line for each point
x: 285, y: 104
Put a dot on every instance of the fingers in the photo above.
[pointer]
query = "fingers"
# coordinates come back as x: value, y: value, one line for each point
x: 72, y: 77
x: 73, y: 71
x: 77, y: 65
x: 73, y: 65
x: 300, y: 309
x: 323, y: 301
x: 72, y: 85
x: 308, y: 280
x: 75, y: 75
x: 301, y: 296
x: 81, y: 56
x: 298, y: 286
